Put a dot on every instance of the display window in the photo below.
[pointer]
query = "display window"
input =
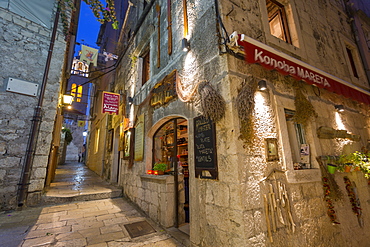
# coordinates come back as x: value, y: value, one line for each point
x: 171, y: 145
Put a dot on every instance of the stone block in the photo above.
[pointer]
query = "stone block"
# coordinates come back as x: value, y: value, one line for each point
x: 154, y: 199
x: 20, y: 22
x: 8, y: 189
x: 36, y: 185
x: 38, y: 173
x: 40, y: 161
x: 252, y: 195
x: 2, y: 175
x: 33, y: 28
x: 154, y: 212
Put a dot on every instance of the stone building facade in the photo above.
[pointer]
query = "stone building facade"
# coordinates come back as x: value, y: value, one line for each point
x: 255, y: 174
x: 24, y: 47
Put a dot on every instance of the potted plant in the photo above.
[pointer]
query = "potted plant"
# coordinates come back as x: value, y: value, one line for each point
x: 159, y: 168
x: 361, y: 161
x: 331, y: 164
x: 345, y: 163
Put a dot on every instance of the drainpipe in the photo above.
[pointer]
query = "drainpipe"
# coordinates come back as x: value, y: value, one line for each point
x: 36, y: 120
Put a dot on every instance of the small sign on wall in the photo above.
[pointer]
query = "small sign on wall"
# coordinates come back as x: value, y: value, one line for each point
x: 22, y: 87
x: 110, y: 103
x: 139, y: 139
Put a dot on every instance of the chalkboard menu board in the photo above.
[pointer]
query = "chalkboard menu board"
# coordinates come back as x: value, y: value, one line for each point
x: 205, y: 148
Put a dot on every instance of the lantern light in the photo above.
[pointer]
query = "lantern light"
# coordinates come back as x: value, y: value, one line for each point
x: 67, y: 99
x: 185, y: 45
x: 262, y: 85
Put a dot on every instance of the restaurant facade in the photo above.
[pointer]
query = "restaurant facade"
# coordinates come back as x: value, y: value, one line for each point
x: 244, y: 104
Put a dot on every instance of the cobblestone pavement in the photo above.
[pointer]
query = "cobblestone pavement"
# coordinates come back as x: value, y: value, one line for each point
x: 90, y: 213
x: 98, y: 223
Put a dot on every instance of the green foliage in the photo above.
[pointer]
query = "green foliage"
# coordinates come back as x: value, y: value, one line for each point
x: 102, y: 14
x: 160, y: 167
x: 68, y: 135
x: 359, y: 160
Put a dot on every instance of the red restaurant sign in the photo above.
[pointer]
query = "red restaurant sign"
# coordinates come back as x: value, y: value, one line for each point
x: 110, y: 103
x: 257, y: 52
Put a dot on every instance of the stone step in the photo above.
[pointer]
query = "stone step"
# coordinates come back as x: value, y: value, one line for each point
x: 80, y: 196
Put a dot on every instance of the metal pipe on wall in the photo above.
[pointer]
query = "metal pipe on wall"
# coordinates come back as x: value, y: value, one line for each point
x: 36, y: 120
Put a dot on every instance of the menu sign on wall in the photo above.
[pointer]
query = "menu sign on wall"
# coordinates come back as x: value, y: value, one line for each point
x: 205, y: 154
x: 139, y: 139
x: 110, y: 103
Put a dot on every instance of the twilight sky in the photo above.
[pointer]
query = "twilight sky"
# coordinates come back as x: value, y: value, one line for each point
x: 88, y: 28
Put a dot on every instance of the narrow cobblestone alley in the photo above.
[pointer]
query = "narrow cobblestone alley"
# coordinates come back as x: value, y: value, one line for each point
x: 90, y: 212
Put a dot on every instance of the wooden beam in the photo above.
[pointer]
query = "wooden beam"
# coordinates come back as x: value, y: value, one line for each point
x: 158, y: 8
x: 169, y: 27
x: 184, y: 3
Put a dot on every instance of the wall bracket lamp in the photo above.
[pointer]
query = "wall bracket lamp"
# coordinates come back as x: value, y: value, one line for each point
x: 130, y: 100
x: 67, y: 100
x: 262, y: 85
x: 185, y: 45
x: 339, y: 108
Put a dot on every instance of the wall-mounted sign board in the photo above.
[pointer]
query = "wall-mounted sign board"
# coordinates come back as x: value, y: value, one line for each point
x: 205, y: 154
x: 22, y: 87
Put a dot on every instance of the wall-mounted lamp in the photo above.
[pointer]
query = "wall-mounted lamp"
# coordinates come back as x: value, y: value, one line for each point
x: 185, y: 45
x: 84, y: 133
x: 67, y: 99
x: 262, y: 85
x: 339, y: 108
x: 130, y: 100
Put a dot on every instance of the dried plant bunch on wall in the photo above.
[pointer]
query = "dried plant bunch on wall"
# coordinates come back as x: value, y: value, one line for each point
x: 245, y: 106
x: 304, y: 110
x: 212, y: 104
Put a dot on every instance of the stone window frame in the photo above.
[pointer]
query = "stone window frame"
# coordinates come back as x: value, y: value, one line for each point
x: 145, y: 66
x: 276, y: 11
x: 295, y: 176
x: 356, y: 59
x: 293, y: 26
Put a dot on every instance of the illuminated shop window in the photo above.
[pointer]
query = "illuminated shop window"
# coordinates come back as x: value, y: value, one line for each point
x: 297, y: 140
x: 278, y: 20
x: 171, y: 144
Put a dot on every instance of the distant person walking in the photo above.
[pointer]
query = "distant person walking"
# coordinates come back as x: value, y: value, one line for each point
x: 83, y: 151
x: 79, y: 156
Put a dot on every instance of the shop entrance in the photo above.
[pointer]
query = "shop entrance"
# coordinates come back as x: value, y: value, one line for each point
x: 171, y: 147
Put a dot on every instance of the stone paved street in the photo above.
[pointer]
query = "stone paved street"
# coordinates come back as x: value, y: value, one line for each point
x: 83, y: 221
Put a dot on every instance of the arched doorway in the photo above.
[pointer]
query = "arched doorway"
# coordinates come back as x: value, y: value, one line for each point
x: 170, y: 146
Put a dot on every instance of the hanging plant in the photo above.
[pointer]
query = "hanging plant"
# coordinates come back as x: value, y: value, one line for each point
x: 212, y: 104
x: 245, y: 106
x: 102, y: 14
x: 329, y: 202
x: 355, y: 202
x: 68, y: 135
x: 304, y: 109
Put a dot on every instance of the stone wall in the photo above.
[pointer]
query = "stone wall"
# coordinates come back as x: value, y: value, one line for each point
x: 24, y: 48
x: 230, y: 211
